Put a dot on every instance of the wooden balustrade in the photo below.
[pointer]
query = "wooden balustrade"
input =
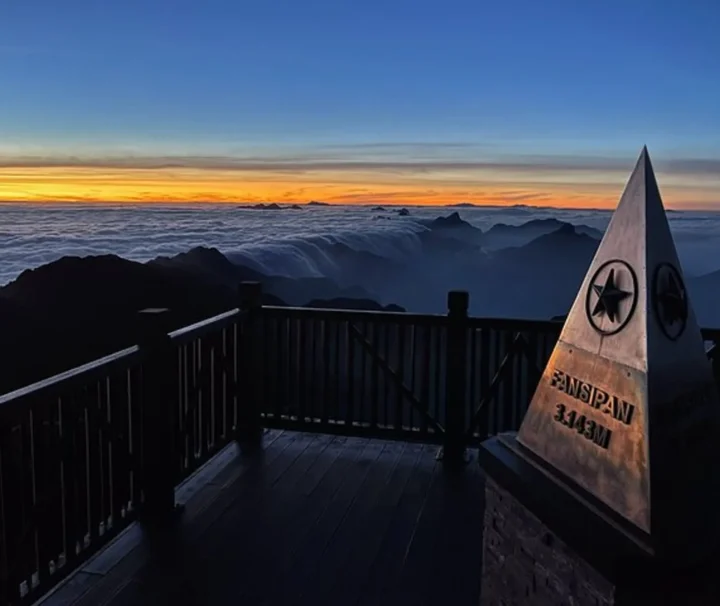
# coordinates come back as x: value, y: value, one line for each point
x: 85, y: 453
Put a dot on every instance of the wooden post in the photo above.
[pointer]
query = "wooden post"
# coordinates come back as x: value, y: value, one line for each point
x: 249, y: 430
x: 159, y: 388
x: 714, y: 355
x: 453, y: 450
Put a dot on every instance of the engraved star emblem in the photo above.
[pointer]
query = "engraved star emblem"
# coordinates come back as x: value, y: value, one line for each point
x: 672, y: 301
x: 609, y: 298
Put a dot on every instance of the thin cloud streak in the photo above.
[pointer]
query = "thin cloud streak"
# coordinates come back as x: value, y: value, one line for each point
x: 536, y: 164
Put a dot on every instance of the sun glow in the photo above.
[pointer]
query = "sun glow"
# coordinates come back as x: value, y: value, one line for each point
x: 354, y: 185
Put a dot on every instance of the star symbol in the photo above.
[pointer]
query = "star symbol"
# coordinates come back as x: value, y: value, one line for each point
x: 609, y: 297
x: 672, y: 301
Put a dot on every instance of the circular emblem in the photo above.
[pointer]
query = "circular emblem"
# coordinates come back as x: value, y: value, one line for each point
x: 611, y: 297
x: 670, y: 301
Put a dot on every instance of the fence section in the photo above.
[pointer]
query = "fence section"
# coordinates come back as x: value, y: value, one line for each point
x: 84, y: 453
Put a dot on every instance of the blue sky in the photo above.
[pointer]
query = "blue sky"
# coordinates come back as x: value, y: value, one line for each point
x: 517, y: 77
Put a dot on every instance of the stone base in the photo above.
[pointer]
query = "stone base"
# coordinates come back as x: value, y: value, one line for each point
x: 545, y: 545
x: 524, y: 563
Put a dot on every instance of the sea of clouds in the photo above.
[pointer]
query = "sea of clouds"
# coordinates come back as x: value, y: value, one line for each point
x: 283, y: 242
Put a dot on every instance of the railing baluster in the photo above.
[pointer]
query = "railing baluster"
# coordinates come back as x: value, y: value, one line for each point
x: 437, y: 368
x: 105, y: 448
x: 184, y: 438
x: 120, y: 462
x: 232, y: 337
x: 425, y: 374
x: 409, y: 418
x: 291, y: 388
x: 28, y: 514
x: 365, y: 413
x: 7, y: 542
x: 350, y: 373
x: 509, y: 385
x: 193, y: 396
x: 93, y: 446
x: 218, y: 391
x: 205, y: 379
x: 339, y: 358
x: 325, y: 365
x: 47, y: 485
x: 375, y: 374
x: 302, y: 371
x: 400, y: 348
x: 69, y: 460
x: 314, y: 401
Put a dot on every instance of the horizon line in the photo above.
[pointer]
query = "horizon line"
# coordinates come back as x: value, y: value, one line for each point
x: 249, y: 205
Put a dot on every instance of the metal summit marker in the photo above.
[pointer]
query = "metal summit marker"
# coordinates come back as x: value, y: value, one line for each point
x: 627, y: 408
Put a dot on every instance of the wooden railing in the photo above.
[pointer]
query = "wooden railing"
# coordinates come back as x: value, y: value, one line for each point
x: 83, y: 454
x: 434, y: 378
x: 87, y: 452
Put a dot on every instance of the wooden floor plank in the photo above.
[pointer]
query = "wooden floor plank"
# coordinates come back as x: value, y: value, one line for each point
x: 372, y: 528
x: 384, y: 571
x: 315, y: 519
x: 305, y: 573
x: 354, y: 533
x: 314, y: 501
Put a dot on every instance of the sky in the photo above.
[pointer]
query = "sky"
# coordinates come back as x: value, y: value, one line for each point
x: 393, y: 101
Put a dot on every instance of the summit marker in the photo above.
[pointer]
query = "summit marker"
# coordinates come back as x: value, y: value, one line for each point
x: 627, y: 407
x: 609, y: 492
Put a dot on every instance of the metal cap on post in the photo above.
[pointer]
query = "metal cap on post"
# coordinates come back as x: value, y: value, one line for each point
x: 249, y: 430
x: 453, y: 451
x: 158, y: 415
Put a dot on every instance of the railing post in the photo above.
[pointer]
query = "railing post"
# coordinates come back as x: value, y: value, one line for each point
x: 249, y: 429
x: 714, y: 355
x: 159, y: 388
x: 454, y: 446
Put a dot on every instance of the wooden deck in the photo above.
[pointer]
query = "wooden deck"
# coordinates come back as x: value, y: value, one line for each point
x: 313, y: 519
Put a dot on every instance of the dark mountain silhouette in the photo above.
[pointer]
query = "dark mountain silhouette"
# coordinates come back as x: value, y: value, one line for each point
x: 403, y: 212
x: 450, y: 233
x: 538, y: 280
x: 502, y: 235
x: 362, y: 267
x: 272, y: 206
x: 359, y: 304
x: 211, y: 264
x: 316, y: 203
x: 556, y: 246
x: 378, y: 208
x: 452, y: 221
x: 75, y: 310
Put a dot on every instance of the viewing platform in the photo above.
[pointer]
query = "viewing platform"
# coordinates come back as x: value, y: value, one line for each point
x: 321, y: 456
x: 312, y: 519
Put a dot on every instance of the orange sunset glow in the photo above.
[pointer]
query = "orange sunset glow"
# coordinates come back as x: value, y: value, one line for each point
x: 355, y: 185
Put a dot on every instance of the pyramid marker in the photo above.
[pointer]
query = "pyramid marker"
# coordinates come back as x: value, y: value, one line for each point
x: 627, y: 408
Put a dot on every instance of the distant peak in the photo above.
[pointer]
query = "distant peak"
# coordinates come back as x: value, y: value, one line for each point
x: 566, y: 229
